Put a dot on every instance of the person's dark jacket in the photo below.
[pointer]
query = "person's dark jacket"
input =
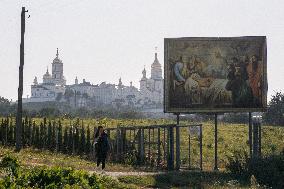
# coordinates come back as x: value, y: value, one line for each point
x: 102, y: 146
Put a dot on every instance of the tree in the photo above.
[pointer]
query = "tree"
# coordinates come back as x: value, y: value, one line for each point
x: 88, y: 144
x: 83, y: 140
x: 4, y: 106
x: 49, y: 112
x: 65, y: 140
x: 275, y: 111
x: 59, y: 136
x: 49, y: 136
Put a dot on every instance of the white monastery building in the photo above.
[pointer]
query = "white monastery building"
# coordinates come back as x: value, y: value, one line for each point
x: 54, y: 88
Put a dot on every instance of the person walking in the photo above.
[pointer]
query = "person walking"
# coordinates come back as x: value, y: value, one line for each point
x: 101, y: 146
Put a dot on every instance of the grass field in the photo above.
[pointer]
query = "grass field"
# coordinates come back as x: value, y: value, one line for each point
x: 231, y: 138
x: 31, y: 158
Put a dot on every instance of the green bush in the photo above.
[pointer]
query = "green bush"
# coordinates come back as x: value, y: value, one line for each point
x: 11, y: 165
x: 268, y: 170
x: 54, y: 177
x: 51, y: 178
x: 238, y: 163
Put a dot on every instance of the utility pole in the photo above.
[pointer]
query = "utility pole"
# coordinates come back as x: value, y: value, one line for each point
x: 20, y: 88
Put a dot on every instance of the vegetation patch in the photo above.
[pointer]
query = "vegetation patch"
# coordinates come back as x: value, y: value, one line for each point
x: 267, y: 171
x: 187, y: 179
x: 15, y: 176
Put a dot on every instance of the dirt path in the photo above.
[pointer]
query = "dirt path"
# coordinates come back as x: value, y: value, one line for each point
x: 132, y: 173
x: 111, y: 173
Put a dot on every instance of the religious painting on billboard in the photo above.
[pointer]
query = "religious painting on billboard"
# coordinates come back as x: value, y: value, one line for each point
x: 215, y: 74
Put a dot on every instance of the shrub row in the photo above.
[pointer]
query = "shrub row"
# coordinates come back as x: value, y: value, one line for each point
x: 268, y: 170
x: 52, y: 177
x: 48, y: 135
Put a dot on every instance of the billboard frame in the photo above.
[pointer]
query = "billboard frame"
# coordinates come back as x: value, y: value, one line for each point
x: 168, y: 109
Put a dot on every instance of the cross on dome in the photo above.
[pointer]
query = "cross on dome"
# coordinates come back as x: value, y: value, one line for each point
x: 57, y: 53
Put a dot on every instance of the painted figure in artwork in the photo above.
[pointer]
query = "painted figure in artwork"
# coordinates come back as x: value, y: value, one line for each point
x: 237, y: 83
x: 198, y: 66
x: 254, y: 70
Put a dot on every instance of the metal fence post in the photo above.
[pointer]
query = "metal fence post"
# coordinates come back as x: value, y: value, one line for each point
x: 141, y: 145
x: 171, y: 148
x: 177, y: 148
x: 159, y: 148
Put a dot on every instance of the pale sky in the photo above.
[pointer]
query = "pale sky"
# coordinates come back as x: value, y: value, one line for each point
x: 102, y: 40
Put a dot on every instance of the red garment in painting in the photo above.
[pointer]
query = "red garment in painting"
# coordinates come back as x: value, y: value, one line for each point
x: 255, y: 79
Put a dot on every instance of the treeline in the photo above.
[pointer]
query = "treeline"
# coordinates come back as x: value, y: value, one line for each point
x: 58, y: 109
x: 49, y: 135
x: 53, y: 112
x: 273, y: 116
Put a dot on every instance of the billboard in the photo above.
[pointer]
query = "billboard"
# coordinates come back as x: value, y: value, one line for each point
x: 215, y: 74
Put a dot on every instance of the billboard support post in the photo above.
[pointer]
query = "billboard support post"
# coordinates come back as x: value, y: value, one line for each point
x: 216, y: 144
x: 177, y: 144
x: 255, y: 139
x: 259, y: 139
x: 250, y: 135
x: 200, y: 148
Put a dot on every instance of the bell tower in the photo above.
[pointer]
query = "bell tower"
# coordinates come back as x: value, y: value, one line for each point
x: 57, y: 71
x: 156, y: 69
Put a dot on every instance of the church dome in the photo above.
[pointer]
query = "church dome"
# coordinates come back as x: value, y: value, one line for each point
x: 156, y: 69
x: 144, y: 74
x: 156, y: 63
x: 47, y: 75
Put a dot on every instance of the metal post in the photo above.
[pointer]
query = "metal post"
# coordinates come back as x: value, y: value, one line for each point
x: 189, y: 149
x: 200, y: 148
x: 259, y: 139
x: 141, y: 145
x: 216, y: 147
x: 171, y: 148
x: 159, y: 148
x: 255, y: 140
x: 177, y: 144
x: 250, y: 135
x: 123, y: 132
x: 164, y: 144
